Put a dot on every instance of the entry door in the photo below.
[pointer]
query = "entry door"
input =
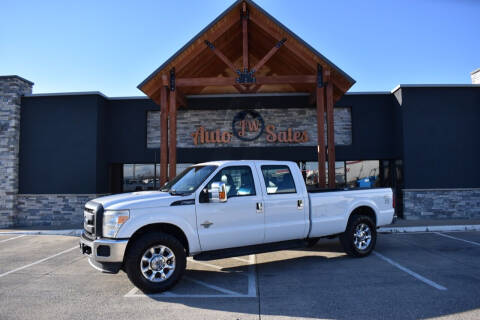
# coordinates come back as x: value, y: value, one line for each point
x: 284, y: 201
x: 236, y: 222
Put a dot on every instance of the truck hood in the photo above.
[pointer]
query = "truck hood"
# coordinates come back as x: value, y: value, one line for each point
x: 136, y: 200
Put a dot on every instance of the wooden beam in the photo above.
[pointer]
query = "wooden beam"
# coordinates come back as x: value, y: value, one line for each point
x: 203, y: 82
x: 229, y: 81
x: 163, y: 135
x: 245, y: 35
x: 320, y: 92
x: 330, y: 136
x: 204, y: 60
x: 268, y: 55
x: 286, y: 79
x: 255, y: 88
x: 214, y: 36
x: 180, y: 98
x: 172, y: 147
x: 290, y: 45
x: 222, y: 57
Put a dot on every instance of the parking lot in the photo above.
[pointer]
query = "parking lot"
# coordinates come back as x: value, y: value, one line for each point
x: 421, y: 275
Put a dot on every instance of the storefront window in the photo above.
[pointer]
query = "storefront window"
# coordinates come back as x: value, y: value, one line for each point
x: 310, y: 172
x: 139, y: 177
x: 363, y: 174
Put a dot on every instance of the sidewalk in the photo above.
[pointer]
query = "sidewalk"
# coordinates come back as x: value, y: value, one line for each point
x: 399, y: 227
x: 432, y: 225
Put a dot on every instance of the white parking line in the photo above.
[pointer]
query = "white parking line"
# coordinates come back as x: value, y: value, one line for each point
x: 37, y: 262
x: 204, y: 264
x: 455, y: 238
x: 5, y: 240
x: 410, y: 272
x: 252, y: 286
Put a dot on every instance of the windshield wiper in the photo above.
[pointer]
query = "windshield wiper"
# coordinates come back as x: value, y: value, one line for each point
x: 176, y: 193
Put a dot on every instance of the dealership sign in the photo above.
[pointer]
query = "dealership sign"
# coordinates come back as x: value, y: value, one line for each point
x: 248, y: 125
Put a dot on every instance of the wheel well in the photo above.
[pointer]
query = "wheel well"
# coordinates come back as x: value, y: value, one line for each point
x: 161, y: 227
x: 365, y: 211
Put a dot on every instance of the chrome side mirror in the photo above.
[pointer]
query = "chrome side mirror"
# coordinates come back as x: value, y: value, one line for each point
x: 218, y: 192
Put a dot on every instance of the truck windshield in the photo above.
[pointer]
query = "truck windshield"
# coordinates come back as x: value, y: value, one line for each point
x: 189, y: 180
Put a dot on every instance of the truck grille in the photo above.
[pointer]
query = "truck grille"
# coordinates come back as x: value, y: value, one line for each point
x: 92, y: 220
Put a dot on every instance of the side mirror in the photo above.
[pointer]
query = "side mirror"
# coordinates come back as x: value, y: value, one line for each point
x: 218, y: 192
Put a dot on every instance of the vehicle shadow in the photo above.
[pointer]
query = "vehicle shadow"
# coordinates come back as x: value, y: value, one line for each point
x: 322, y: 282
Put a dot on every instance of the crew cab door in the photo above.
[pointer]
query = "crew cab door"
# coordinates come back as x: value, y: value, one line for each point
x: 284, y: 202
x: 236, y: 222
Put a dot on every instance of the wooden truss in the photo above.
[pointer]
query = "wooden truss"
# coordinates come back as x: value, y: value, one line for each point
x: 246, y: 51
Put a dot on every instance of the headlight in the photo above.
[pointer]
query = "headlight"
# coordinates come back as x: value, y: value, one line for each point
x: 113, y: 220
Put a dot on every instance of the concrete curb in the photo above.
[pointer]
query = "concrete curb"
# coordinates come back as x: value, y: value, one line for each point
x: 66, y: 232
x: 467, y: 227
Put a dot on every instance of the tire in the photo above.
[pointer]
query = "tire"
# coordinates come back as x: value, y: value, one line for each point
x: 164, y: 272
x: 354, y: 242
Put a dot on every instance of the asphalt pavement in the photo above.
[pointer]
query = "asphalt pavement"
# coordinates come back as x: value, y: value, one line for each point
x: 409, y: 276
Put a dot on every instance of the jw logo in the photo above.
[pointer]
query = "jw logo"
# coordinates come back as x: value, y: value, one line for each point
x: 248, y: 125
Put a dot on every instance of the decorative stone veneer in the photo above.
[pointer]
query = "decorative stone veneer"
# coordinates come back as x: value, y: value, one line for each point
x: 11, y: 90
x: 299, y: 119
x: 441, y: 204
x: 51, y: 209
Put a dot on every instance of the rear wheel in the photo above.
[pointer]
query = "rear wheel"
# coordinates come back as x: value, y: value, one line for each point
x: 360, y: 237
x: 155, y: 262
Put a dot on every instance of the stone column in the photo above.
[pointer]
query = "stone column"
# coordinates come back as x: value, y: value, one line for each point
x: 11, y: 90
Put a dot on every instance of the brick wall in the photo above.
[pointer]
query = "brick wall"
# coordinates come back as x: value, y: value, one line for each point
x: 51, y: 209
x: 299, y: 119
x: 11, y: 90
x: 441, y: 204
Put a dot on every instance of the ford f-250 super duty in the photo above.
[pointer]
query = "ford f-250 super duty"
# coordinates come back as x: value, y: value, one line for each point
x: 222, y: 209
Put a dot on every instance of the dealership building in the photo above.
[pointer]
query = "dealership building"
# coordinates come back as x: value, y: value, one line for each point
x: 245, y: 87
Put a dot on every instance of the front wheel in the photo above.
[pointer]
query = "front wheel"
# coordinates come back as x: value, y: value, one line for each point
x: 155, y: 262
x: 360, y: 237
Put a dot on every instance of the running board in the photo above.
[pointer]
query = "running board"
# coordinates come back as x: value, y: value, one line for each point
x: 244, y: 251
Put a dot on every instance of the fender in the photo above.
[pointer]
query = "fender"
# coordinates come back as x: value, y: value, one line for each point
x: 181, y: 216
x: 361, y: 203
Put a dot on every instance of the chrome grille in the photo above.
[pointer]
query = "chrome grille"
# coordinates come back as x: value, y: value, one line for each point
x: 92, y: 219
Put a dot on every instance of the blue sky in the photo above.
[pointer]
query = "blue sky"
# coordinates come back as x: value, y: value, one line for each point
x: 111, y: 46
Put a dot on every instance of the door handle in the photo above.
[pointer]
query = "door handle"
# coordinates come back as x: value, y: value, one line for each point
x: 259, y: 207
x: 206, y: 224
x: 299, y: 204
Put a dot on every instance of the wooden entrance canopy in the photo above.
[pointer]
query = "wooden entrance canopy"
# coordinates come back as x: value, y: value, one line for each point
x: 245, y: 50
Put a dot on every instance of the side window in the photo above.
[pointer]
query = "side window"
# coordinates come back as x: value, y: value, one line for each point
x: 238, y: 179
x: 278, y: 179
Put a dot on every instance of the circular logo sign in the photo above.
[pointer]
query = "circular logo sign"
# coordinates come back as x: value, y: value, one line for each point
x: 248, y: 125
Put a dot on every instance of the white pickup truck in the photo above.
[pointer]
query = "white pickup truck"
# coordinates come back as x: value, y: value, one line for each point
x: 222, y: 209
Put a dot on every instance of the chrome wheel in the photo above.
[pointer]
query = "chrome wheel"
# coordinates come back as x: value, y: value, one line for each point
x: 362, y: 236
x: 157, y: 263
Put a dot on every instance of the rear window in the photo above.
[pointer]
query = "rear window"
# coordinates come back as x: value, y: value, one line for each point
x: 278, y: 179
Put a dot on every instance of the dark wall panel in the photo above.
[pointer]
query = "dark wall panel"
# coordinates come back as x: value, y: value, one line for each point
x: 373, y: 127
x: 126, y: 131
x: 58, y: 144
x: 441, y: 137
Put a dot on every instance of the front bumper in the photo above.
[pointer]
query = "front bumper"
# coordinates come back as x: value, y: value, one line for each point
x: 103, y: 250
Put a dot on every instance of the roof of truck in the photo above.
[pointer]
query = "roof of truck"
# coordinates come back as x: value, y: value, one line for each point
x: 222, y: 162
